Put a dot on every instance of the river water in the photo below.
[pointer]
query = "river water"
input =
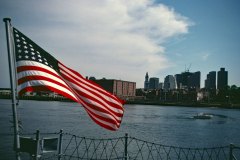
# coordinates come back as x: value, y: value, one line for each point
x: 168, y: 125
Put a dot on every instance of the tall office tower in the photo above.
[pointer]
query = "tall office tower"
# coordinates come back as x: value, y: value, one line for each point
x: 188, y: 80
x: 222, y: 79
x: 185, y: 79
x: 178, y: 78
x: 194, y: 80
x: 170, y: 82
x: 161, y: 85
x: 210, y: 82
x: 146, y: 82
x: 153, y: 83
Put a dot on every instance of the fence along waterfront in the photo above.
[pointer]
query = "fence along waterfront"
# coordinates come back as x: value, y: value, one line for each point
x: 73, y: 147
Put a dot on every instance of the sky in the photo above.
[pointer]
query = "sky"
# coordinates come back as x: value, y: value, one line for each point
x: 124, y: 39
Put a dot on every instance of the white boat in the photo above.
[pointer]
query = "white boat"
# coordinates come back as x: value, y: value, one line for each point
x: 203, y: 116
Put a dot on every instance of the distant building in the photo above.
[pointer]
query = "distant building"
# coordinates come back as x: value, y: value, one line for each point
x: 5, y: 91
x: 188, y: 80
x: 178, y: 78
x: 153, y: 83
x: 146, y: 82
x: 183, y: 80
x: 222, y: 79
x: 170, y: 83
x: 210, y: 82
x: 194, y: 80
x: 161, y: 85
x: 122, y: 89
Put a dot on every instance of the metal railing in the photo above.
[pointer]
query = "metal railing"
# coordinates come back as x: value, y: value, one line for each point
x: 71, y: 147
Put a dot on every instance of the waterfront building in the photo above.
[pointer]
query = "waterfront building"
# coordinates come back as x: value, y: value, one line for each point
x: 182, y: 80
x: 161, y: 85
x: 122, y: 89
x: 222, y: 79
x: 210, y: 82
x: 170, y: 83
x: 146, y: 82
x: 153, y: 83
x: 194, y: 80
x: 178, y: 78
x: 188, y: 80
x: 5, y: 91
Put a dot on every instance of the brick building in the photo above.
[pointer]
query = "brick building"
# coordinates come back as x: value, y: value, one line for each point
x: 122, y: 89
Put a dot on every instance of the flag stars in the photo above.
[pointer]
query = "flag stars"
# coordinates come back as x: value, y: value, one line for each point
x: 29, y: 51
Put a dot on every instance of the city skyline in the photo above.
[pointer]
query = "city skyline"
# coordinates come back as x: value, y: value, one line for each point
x: 212, y: 81
x: 125, y: 39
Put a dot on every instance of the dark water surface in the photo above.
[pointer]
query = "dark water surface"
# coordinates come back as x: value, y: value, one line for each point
x: 161, y: 124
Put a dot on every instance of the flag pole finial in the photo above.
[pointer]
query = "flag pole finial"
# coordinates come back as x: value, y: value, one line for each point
x: 6, y: 19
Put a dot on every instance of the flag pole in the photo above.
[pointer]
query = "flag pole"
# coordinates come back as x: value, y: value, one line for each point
x: 12, y: 73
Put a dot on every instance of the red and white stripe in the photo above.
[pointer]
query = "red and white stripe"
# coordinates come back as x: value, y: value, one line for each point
x: 34, y: 76
x: 103, y: 107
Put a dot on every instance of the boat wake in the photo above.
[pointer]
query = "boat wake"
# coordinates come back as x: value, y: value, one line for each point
x: 208, y: 116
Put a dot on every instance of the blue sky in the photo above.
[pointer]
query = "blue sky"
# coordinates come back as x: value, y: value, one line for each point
x: 124, y: 39
x: 213, y: 40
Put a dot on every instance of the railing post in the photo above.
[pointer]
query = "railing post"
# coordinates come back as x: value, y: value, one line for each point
x: 37, y: 144
x: 125, y: 148
x: 231, y: 147
x: 60, y: 145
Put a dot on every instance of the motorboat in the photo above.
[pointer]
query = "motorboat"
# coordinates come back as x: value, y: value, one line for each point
x: 203, y: 116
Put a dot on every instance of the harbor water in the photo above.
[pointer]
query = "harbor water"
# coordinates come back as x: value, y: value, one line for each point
x: 168, y: 125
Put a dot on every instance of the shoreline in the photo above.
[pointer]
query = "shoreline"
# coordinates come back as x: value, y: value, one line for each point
x: 182, y: 104
x: 146, y: 102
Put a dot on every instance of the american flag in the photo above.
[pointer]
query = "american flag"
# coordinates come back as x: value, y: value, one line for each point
x: 37, y: 70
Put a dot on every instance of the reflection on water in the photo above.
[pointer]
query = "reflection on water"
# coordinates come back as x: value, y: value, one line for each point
x: 162, y: 124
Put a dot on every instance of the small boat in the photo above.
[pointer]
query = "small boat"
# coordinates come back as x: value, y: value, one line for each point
x: 203, y: 116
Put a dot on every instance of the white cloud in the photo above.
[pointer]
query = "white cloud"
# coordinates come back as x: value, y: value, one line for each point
x: 109, y: 38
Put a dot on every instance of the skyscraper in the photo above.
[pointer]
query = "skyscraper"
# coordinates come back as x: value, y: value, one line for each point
x: 170, y: 82
x: 194, y: 80
x: 153, y: 83
x: 146, y: 82
x: 178, y: 78
x: 222, y: 79
x: 210, y: 82
x: 188, y: 80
